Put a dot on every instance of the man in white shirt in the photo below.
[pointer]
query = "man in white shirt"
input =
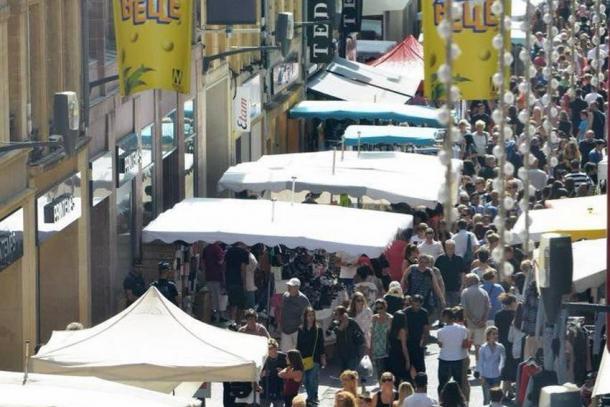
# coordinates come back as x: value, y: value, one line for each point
x: 461, y: 239
x: 420, y: 397
x: 453, y: 341
x: 430, y: 246
x: 480, y: 138
x: 538, y: 178
x: 592, y: 96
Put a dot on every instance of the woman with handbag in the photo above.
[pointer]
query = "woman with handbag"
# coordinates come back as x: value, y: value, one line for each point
x: 310, y: 342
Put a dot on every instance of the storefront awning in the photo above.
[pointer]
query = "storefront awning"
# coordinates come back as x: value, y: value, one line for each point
x: 314, y: 109
x: 419, y: 136
x: 353, y: 81
x: 378, y: 7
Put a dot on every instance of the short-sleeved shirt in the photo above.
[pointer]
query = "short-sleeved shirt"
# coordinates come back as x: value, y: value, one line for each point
x: 452, y: 339
x: 475, y: 301
x: 452, y: 268
x: 293, y: 308
x: 135, y: 283
x: 213, y: 262
x: 234, y: 258
x: 415, y: 324
x: 167, y: 288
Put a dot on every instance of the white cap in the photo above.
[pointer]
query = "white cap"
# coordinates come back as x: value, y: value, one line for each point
x: 294, y: 282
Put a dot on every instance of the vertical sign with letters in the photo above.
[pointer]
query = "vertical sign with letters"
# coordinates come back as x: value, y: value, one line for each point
x: 351, y: 17
x: 321, y: 32
x: 241, y: 109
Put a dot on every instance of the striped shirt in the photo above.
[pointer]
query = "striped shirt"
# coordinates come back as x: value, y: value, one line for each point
x: 579, y: 178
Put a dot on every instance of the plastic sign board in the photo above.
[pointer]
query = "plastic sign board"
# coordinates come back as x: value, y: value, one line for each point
x: 351, y: 16
x: 241, y: 109
x: 11, y: 238
x: 154, y: 44
x: 320, y: 33
x: 231, y: 12
x: 472, y: 33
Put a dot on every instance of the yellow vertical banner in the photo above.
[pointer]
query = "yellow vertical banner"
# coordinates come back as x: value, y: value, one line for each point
x: 153, y: 44
x: 473, y: 33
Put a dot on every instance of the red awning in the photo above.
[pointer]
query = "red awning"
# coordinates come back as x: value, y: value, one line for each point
x: 405, y: 59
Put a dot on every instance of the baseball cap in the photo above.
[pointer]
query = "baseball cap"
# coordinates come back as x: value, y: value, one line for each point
x: 294, y: 282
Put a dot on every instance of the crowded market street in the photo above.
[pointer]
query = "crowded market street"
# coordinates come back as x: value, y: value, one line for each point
x: 304, y: 203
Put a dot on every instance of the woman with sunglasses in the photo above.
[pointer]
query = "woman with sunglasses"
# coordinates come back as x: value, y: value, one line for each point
x: 386, y: 395
x: 292, y: 375
x: 310, y: 342
x: 362, y: 314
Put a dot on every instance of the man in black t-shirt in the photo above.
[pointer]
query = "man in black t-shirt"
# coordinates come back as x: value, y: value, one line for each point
x: 576, y: 106
x: 452, y: 269
x: 417, y: 332
x: 237, y: 259
x: 164, y: 284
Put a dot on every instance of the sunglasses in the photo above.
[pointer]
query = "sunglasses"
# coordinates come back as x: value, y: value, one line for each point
x: 387, y: 379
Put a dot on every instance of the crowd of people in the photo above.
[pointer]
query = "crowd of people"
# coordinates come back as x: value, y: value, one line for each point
x: 437, y: 278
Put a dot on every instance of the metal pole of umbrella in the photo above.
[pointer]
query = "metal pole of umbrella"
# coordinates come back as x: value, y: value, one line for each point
x: 359, y: 133
x: 26, y: 363
x: 334, y: 158
x: 342, y: 147
x: 294, y: 181
x: 273, y: 209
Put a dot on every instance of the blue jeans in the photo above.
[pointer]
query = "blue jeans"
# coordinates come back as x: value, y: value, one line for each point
x: 488, y: 384
x: 310, y: 380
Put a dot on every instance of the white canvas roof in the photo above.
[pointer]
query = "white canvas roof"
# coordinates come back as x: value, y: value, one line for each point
x: 602, y: 383
x: 43, y: 390
x: 589, y: 264
x: 396, y: 177
x: 155, y: 345
x: 329, y: 227
x: 582, y: 218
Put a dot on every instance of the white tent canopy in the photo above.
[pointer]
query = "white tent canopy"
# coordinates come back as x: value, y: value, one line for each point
x: 155, y: 345
x: 392, y: 176
x: 333, y: 228
x: 602, y: 383
x: 582, y: 218
x: 589, y: 264
x: 65, y: 391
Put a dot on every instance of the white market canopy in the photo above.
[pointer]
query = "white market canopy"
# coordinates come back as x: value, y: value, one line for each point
x: 419, y: 136
x: 602, y: 383
x: 329, y: 227
x: 155, y: 345
x: 589, y: 264
x: 582, y: 218
x: 353, y: 110
x: 396, y: 177
x: 43, y: 390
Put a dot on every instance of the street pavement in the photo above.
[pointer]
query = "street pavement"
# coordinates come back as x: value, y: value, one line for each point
x: 329, y: 383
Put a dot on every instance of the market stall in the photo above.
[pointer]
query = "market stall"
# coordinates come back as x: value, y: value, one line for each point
x: 395, y: 177
x: 582, y: 218
x: 332, y: 228
x: 40, y: 390
x: 155, y: 345
x: 589, y: 264
x: 317, y: 109
x: 417, y: 136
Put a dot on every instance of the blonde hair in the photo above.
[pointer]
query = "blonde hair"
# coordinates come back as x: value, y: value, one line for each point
x: 299, y: 401
x: 404, y: 390
x: 352, y: 376
x: 345, y: 399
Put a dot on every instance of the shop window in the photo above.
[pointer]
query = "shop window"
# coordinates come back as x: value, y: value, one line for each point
x: 148, y: 174
x: 190, y: 140
x: 169, y: 141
